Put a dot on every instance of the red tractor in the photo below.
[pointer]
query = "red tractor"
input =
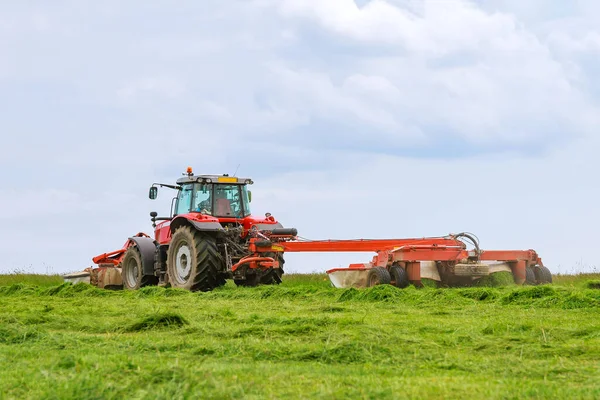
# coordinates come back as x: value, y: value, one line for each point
x: 209, y: 237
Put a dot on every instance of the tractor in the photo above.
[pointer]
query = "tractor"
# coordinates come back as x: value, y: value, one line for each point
x: 209, y: 237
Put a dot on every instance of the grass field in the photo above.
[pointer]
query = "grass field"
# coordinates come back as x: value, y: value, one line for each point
x: 301, y: 339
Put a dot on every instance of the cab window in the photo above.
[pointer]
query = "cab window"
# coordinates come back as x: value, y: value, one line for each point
x: 227, y: 201
x: 184, y: 199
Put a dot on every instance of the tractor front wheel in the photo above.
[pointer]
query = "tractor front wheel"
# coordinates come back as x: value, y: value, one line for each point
x: 193, y: 260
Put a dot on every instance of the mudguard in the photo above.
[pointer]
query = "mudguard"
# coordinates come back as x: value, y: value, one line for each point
x: 147, y: 248
x: 203, y: 226
x: 207, y: 226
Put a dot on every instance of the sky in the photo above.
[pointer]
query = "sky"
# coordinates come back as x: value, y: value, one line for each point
x: 355, y: 119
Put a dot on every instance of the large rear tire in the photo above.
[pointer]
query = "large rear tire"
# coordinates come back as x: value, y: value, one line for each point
x: 132, y: 271
x: 193, y: 260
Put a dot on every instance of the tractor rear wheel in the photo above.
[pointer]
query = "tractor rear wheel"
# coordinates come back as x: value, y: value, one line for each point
x: 193, y: 260
x: 132, y: 272
x: 399, y: 277
x: 378, y: 276
x: 543, y: 275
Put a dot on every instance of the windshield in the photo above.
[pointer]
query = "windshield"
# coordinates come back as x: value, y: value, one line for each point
x: 219, y: 200
x: 184, y: 199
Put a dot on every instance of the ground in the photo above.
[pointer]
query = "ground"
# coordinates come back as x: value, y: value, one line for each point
x: 301, y: 339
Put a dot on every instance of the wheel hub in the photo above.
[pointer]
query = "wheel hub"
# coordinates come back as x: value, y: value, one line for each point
x: 183, y: 265
x: 132, y: 273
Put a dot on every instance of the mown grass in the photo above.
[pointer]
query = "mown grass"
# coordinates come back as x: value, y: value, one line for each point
x: 301, y: 339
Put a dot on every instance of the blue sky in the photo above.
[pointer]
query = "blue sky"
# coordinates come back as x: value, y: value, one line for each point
x: 356, y: 119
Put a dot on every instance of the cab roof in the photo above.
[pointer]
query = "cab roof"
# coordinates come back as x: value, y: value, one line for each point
x: 224, y: 179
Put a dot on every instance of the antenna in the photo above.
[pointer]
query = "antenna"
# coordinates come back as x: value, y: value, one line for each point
x: 236, y: 170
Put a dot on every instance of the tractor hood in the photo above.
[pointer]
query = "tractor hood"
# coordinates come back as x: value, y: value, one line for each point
x: 264, y: 224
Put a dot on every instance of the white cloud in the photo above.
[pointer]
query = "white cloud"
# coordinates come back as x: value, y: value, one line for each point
x: 317, y: 96
x: 481, y: 76
x: 439, y: 28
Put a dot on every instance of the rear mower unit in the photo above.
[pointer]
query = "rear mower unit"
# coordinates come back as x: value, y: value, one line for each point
x: 445, y: 260
x: 210, y: 236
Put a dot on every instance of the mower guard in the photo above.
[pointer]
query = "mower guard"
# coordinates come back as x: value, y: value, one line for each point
x: 356, y: 274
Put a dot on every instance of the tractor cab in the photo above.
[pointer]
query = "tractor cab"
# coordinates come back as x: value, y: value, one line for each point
x: 220, y: 196
x: 221, y: 200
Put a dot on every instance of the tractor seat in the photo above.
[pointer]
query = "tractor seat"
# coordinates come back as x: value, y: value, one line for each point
x: 223, y: 207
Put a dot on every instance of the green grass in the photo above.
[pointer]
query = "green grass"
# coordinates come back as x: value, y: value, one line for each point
x: 575, y: 280
x: 301, y: 339
x: 30, y: 279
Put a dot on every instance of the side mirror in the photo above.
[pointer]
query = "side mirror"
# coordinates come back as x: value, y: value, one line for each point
x: 249, y: 196
x: 153, y: 192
